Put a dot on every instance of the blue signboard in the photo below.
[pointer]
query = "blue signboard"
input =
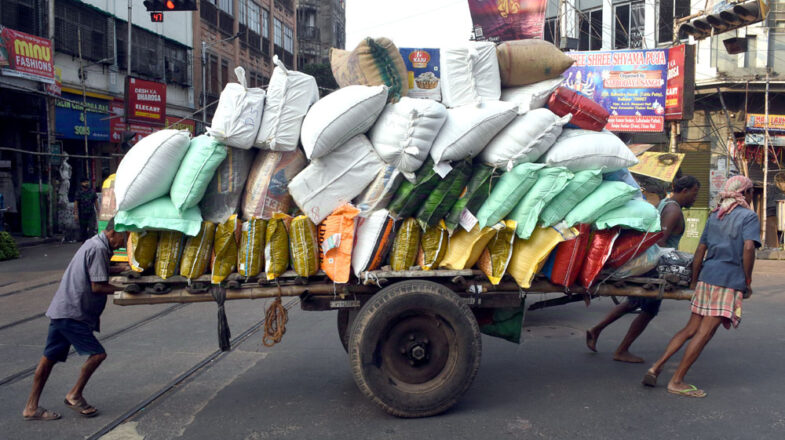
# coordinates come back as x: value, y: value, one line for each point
x: 69, y: 118
x: 630, y: 84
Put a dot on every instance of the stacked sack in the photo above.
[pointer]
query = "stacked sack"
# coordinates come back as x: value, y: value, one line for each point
x: 505, y: 168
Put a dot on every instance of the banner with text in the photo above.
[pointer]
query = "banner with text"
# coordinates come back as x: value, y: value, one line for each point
x: 756, y: 123
x: 680, y: 92
x: 145, y: 101
x: 505, y: 20
x: 630, y: 84
x: 26, y: 56
x: 73, y: 120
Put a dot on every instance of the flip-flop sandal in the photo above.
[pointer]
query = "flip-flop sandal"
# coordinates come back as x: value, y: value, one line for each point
x: 650, y: 379
x: 81, y: 407
x: 692, y: 391
x: 43, y: 414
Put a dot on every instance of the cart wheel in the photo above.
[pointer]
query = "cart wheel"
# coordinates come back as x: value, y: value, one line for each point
x: 414, y: 348
x: 345, y: 320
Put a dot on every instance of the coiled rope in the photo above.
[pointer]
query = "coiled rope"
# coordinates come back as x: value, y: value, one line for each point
x: 275, y: 319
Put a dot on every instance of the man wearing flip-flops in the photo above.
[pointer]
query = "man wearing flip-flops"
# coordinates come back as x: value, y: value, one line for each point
x: 74, y: 315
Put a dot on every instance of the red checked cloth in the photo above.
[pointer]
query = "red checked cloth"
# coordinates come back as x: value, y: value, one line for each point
x: 710, y: 300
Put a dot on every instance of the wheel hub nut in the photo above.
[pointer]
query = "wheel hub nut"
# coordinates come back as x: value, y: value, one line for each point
x: 418, y: 353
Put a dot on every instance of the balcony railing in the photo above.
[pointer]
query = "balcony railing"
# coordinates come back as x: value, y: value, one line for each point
x: 307, y: 32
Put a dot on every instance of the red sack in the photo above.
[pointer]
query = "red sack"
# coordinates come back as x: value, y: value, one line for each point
x: 630, y: 244
x: 599, y: 251
x: 586, y: 113
x: 570, y: 256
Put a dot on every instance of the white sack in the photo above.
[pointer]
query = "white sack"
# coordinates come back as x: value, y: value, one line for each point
x: 404, y: 132
x: 239, y: 113
x: 289, y: 96
x: 469, y: 74
x: 579, y: 150
x: 532, y: 96
x: 335, y: 179
x: 525, y: 139
x: 367, y: 239
x: 468, y: 129
x: 148, y: 169
x: 339, y: 116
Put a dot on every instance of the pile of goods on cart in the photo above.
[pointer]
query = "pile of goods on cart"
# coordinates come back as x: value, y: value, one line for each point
x: 506, y: 169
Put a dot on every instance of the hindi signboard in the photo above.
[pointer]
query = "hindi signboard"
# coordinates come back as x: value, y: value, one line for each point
x: 145, y: 101
x: 630, y: 84
x: 506, y: 20
x: 26, y: 56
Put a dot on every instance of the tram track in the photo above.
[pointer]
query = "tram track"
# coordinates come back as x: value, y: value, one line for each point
x: 197, y: 368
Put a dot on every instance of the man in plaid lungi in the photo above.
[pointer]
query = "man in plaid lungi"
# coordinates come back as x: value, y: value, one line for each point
x: 728, y: 243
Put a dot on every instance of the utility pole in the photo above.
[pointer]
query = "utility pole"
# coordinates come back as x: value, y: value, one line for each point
x: 676, y: 23
x: 765, y: 156
x: 562, y: 22
x: 128, y: 47
x: 204, y: 84
x: 82, y: 74
x: 50, y: 113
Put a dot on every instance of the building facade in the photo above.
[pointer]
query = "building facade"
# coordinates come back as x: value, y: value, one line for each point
x: 320, y: 26
x: 245, y: 33
x: 76, y: 103
x: 729, y: 88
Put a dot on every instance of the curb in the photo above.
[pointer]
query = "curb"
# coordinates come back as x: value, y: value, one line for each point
x: 41, y: 241
x: 770, y: 254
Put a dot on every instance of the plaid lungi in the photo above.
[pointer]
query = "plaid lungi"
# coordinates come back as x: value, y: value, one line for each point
x: 711, y: 300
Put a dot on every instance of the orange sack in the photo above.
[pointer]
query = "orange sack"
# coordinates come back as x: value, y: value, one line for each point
x: 336, y: 239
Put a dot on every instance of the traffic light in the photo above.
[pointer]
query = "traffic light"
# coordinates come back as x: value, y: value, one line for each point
x: 725, y: 16
x: 170, y: 5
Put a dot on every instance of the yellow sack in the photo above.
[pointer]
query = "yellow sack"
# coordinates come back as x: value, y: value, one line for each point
x: 406, y: 245
x: 528, y: 256
x: 250, y: 255
x: 465, y: 247
x: 168, y: 253
x: 141, y: 248
x: 224, y: 250
x: 433, y: 246
x: 304, y: 246
x: 196, y: 255
x: 276, y: 246
x: 495, y: 258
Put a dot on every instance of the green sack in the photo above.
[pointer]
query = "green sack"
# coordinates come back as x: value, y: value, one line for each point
x: 195, y: 172
x: 581, y: 185
x: 477, y: 191
x: 511, y: 188
x: 636, y: 214
x: 159, y: 214
x: 410, y: 196
x: 505, y: 323
x: 607, y: 196
x: 550, y: 182
x: 446, y: 193
x: 405, y: 245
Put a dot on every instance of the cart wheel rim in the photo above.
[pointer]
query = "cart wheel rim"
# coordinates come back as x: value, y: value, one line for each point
x: 416, y: 349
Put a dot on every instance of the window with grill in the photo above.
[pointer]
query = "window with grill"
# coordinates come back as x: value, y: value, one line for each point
x: 20, y: 15
x: 176, y: 63
x: 213, y: 82
x: 288, y: 39
x: 72, y: 20
x: 670, y: 10
x: 628, y: 26
x: 208, y: 12
x: 225, y: 6
x: 224, y: 73
x: 265, y: 32
x: 277, y: 32
x: 551, y: 32
x: 590, y: 30
x: 250, y: 25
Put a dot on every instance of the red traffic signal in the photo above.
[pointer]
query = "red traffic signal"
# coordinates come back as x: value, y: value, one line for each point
x: 170, y: 5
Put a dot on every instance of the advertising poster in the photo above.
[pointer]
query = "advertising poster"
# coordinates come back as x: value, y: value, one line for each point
x: 422, y: 68
x: 680, y: 90
x: 146, y: 101
x: 70, y: 118
x: 630, y: 84
x: 26, y: 56
x: 662, y: 166
x: 505, y: 20
x: 756, y: 123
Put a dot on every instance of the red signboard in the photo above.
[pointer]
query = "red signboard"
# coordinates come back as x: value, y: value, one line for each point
x: 505, y: 20
x: 26, y: 56
x: 145, y: 101
x: 680, y: 91
x: 118, y: 126
x: 178, y: 123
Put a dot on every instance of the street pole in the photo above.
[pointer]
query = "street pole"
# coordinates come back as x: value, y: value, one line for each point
x: 204, y: 84
x: 765, y: 157
x: 82, y: 74
x: 128, y: 50
x: 50, y: 112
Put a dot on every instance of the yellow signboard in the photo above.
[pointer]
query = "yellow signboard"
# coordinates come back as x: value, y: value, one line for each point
x: 662, y: 166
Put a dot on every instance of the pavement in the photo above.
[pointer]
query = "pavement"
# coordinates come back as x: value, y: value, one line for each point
x: 549, y: 386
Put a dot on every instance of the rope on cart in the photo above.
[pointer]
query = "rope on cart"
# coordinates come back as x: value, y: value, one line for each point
x: 224, y: 334
x: 275, y: 320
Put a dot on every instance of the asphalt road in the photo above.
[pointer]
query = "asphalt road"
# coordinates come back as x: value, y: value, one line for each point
x: 549, y: 386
